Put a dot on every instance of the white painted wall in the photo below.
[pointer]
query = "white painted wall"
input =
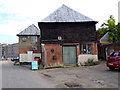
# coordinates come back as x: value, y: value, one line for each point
x: 84, y: 58
x: 28, y: 57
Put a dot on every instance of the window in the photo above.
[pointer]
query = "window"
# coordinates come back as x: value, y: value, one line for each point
x: 23, y: 39
x: 86, y: 48
x: 115, y: 54
x: 34, y: 38
x: 111, y: 51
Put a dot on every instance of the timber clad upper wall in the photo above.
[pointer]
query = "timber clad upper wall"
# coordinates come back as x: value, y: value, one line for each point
x: 69, y: 31
x: 71, y: 26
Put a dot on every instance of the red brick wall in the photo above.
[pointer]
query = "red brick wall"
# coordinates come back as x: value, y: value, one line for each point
x: 101, y: 51
x: 94, y: 49
x: 57, y: 51
x: 78, y: 50
x: 24, y: 50
x: 116, y: 48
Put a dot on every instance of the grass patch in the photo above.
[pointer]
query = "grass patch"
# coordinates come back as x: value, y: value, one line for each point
x: 69, y: 66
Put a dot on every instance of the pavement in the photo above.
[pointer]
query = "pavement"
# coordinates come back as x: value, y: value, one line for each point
x: 98, y: 76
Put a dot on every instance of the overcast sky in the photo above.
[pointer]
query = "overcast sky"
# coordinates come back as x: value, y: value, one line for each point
x: 16, y: 15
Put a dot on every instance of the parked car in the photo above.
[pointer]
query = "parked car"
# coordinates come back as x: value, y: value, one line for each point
x: 15, y: 59
x: 113, y: 60
x: 9, y: 59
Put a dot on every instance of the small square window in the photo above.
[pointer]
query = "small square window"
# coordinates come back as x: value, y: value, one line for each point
x: 34, y: 38
x: 24, y: 39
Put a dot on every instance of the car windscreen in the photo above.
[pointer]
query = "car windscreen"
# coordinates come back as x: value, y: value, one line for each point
x: 115, y: 54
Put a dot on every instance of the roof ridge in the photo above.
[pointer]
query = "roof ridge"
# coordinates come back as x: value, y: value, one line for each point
x: 30, y: 30
x: 66, y: 14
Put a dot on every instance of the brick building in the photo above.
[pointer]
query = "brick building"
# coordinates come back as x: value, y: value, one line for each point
x: 0, y: 51
x: 68, y: 37
x: 106, y: 47
x: 11, y: 51
x: 29, y: 43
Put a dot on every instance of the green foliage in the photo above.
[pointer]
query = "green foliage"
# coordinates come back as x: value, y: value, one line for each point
x: 91, y: 62
x: 40, y: 66
x: 21, y: 63
x: 101, y: 32
x: 71, y: 66
x: 110, y: 27
x: 16, y: 63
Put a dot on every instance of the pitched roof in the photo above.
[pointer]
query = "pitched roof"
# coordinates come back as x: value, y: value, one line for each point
x: 31, y: 30
x: 66, y: 14
x: 105, y: 39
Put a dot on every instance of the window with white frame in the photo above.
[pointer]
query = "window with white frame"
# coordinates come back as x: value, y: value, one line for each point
x: 34, y: 39
x: 86, y: 48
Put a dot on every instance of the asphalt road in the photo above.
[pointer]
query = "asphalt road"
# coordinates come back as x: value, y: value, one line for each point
x: 22, y: 77
x: 98, y: 76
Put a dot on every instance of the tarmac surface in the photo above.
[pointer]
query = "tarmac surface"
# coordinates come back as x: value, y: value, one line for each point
x: 98, y: 76
x: 22, y: 77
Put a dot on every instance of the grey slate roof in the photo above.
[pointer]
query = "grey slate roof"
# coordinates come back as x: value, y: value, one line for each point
x: 31, y: 30
x: 66, y: 14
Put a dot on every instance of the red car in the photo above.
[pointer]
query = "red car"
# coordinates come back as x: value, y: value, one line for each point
x: 114, y: 60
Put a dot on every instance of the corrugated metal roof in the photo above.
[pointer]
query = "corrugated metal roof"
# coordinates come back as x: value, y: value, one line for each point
x: 105, y: 39
x: 31, y: 30
x: 66, y: 14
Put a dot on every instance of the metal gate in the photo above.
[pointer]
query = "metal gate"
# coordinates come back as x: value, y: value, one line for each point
x: 69, y: 55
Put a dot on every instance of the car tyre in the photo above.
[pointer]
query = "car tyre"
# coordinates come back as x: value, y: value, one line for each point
x: 111, y: 68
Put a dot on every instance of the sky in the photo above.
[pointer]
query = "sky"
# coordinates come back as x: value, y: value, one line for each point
x: 17, y: 15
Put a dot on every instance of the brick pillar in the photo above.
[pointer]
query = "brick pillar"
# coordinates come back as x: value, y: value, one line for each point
x: 78, y: 50
x: 94, y: 49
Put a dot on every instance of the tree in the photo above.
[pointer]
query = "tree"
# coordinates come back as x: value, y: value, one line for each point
x: 110, y: 27
x: 101, y: 32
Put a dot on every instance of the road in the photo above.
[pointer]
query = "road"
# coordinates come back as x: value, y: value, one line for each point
x: 22, y: 77
x: 98, y: 76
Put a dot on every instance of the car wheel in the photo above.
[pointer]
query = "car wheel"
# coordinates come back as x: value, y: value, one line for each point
x: 111, y: 68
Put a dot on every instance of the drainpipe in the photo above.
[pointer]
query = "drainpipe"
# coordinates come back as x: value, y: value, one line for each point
x: 45, y: 55
x: 106, y: 53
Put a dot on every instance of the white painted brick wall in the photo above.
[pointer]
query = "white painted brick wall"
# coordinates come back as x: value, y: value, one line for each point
x: 84, y: 58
